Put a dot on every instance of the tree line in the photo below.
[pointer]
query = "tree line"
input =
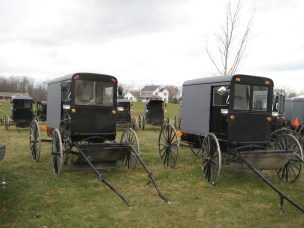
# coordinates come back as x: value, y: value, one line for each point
x: 24, y: 84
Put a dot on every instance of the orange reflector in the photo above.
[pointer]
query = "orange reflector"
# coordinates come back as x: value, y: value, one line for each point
x: 232, y: 117
x: 296, y: 123
x: 44, y: 128
x: 179, y: 133
x: 73, y: 110
x: 237, y: 79
x: 268, y: 119
x: 113, y: 112
x: 267, y: 82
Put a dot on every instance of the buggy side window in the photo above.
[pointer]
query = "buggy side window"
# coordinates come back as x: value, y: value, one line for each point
x: 104, y: 93
x: 65, y: 91
x: 241, y: 97
x: 219, y: 100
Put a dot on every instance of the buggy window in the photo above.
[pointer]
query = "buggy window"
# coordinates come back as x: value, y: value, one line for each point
x: 94, y: 93
x: 219, y: 100
x: 121, y: 106
x: 22, y: 104
x: 278, y: 104
x: 260, y: 98
x: 241, y: 97
x: 66, y: 91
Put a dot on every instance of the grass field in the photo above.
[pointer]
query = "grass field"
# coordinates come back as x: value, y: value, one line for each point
x: 35, y: 197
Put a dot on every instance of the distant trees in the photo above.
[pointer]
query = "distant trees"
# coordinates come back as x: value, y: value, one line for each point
x: 174, y: 93
x: 24, y: 84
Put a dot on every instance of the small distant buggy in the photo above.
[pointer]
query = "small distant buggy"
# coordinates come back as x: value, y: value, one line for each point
x: 41, y: 110
x: 124, y: 118
x: 22, y: 112
x: 81, y: 121
x: 228, y: 119
x: 153, y: 114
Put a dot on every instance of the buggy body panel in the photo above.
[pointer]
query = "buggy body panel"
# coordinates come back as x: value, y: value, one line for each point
x: 154, y: 112
x: 201, y: 110
x: 90, y: 113
x: 124, y: 111
x: 22, y: 110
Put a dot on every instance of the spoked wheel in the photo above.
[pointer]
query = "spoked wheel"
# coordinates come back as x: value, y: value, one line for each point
x: 292, y: 169
x: 139, y: 122
x: 143, y: 123
x: 35, y: 141
x: 57, y: 154
x: 196, y: 147
x: 211, y: 158
x: 299, y: 127
x: 274, y: 135
x: 168, y: 145
x: 6, y: 122
x: 129, y: 137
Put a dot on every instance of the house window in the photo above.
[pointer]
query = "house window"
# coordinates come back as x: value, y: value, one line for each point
x: 165, y: 94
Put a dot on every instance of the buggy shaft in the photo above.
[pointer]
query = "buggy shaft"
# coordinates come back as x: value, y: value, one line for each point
x: 100, y: 177
x: 281, y: 194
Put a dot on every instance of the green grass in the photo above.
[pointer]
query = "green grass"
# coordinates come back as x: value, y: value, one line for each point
x: 35, y: 197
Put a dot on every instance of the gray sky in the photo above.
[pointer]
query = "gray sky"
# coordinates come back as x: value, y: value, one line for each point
x: 143, y: 42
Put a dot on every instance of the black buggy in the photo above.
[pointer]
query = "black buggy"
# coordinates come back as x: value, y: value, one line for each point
x: 153, y: 114
x: 41, y: 110
x: 81, y: 119
x: 22, y: 112
x: 124, y: 118
x: 228, y: 119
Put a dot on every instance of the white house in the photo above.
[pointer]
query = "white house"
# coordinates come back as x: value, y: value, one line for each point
x: 131, y: 96
x: 153, y: 93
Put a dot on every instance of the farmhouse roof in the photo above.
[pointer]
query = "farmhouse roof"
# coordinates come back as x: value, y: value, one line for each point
x: 135, y: 93
x: 149, y: 88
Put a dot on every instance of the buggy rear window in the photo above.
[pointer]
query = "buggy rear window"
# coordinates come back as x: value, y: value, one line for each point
x: 94, y: 93
x: 23, y: 104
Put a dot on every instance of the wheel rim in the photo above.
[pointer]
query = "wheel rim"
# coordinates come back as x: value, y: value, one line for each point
x: 197, y: 151
x: 6, y: 123
x: 290, y: 172
x: 139, y: 122
x: 211, y: 158
x: 57, y: 155
x: 35, y: 141
x: 168, y: 145
x: 129, y: 137
x: 143, y: 123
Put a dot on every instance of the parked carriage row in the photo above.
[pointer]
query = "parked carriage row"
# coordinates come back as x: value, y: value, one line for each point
x: 231, y: 119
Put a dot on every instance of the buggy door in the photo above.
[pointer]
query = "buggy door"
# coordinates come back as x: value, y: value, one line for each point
x: 218, y: 122
x: 250, y: 110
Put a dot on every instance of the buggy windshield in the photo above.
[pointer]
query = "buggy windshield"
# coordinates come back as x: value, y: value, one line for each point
x: 19, y: 104
x: 248, y: 97
x: 94, y: 93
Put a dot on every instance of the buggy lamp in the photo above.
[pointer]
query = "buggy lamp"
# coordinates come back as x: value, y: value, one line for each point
x: 232, y: 117
x: 224, y: 112
x: 179, y: 134
x: 275, y: 114
x: 113, y: 111
x: 44, y: 128
x: 268, y: 119
x: 120, y: 109
x: 73, y: 110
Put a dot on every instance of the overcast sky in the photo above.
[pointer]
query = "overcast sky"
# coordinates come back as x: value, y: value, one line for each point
x: 146, y: 42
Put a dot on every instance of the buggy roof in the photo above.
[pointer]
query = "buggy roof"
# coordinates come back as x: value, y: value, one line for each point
x: 21, y: 98
x: 155, y: 101
x: 123, y: 100
x: 69, y: 77
x: 218, y: 79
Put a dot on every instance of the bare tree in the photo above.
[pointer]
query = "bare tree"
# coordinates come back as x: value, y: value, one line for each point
x: 231, y: 45
x: 173, y: 92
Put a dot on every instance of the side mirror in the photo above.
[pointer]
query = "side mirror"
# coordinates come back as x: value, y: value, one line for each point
x: 222, y: 90
x: 120, y: 91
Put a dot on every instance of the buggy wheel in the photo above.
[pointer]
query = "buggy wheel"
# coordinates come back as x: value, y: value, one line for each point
x: 168, y: 145
x: 292, y: 169
x: 57, y: 154
x: 143, y: 123
x: 196, y: 150
x: 139, y: 122
x: 129, y: 137
x: 299, y: 126
x: 211, y: 158
x: 133, y: 124
x: 35, y: 141
x: 6, y: 122
x: 2, y: 119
